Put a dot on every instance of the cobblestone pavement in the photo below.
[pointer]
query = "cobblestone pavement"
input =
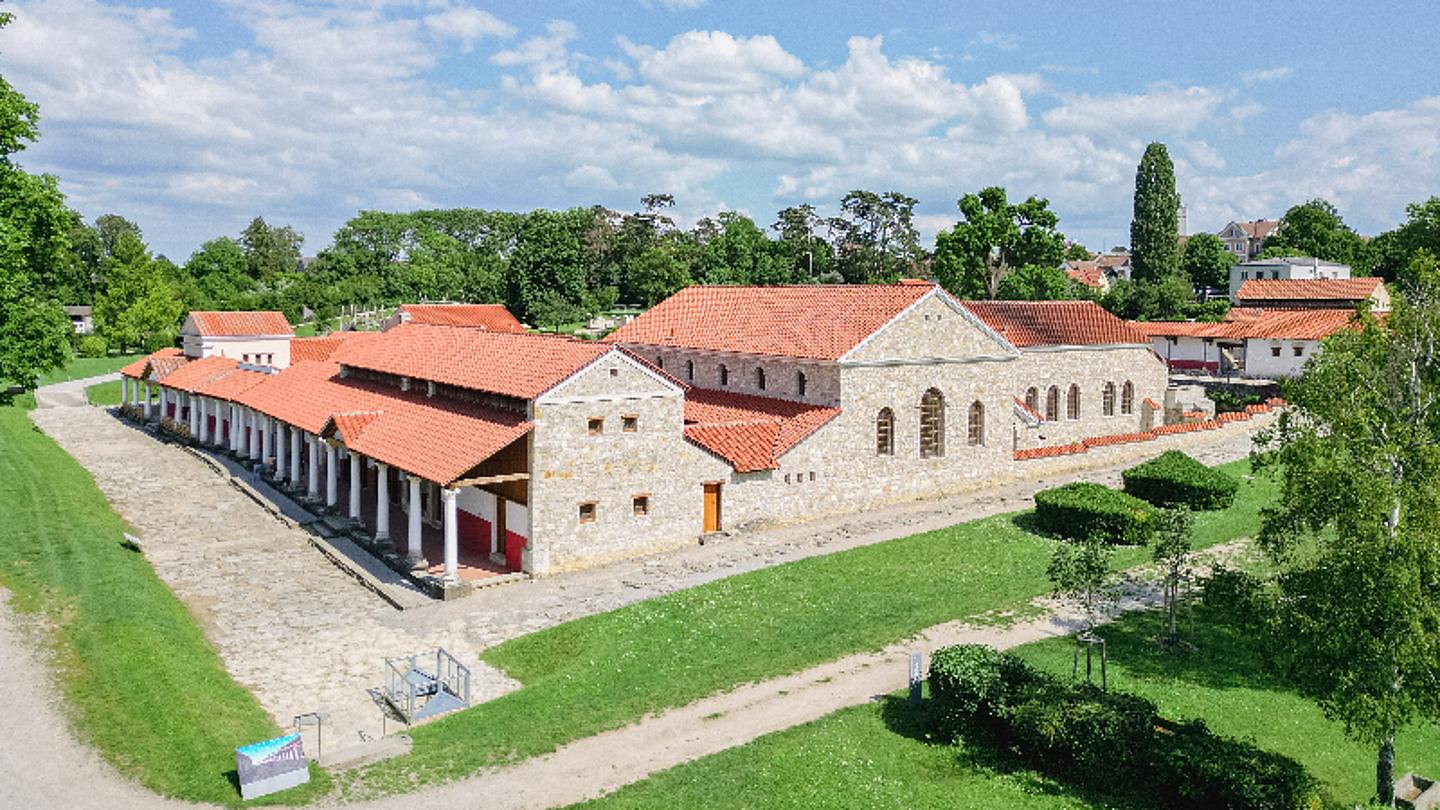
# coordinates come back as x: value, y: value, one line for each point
x: 290, y: 626
x: 304, y: 637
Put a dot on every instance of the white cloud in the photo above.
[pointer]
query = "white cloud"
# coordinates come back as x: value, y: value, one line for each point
x: 336, y: 107
x: 468, y: 25
x: 998, y: 40
x: 1275, y: 74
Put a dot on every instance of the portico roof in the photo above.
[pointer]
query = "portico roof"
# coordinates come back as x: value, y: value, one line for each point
x: 750, y: 432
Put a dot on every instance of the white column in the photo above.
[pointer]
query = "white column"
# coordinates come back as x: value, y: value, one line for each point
x: 203, y: 435
x: 357, y: 468
x: 281, y: 450
x: 452, y: 540
x: 294, y: 456
x: 147, y: 401
x: 382, y: 501
x: 267, y: 440
x: 314, y: 445
x: 194, y: 415
x: 255, y: 435
x: 124, y: 390
x: 332, y: 475
x: 412, y: 540
x: 221, y: 410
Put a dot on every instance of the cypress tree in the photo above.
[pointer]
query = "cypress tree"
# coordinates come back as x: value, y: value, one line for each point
x: 1154, y: 231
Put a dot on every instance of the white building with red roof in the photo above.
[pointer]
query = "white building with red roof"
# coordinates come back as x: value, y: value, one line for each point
x: 260, y: 338
x: 1251, y: 342
x: 485, y: 451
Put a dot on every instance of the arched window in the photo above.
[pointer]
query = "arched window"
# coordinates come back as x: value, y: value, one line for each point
x: 885, y: 432
x: 932, y: 424
x: 724, y: 375
x: 800, y: 383
x: 690, y: 370
x: 1032, y: 399
x: 760, y: 378
x: 1127, y: 397
x: 1072, y: 402
x: 1107, y: 399
x: 976, y: 427
x: 1052, y: 404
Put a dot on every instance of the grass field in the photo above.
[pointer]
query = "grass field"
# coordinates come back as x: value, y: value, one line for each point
x: 139, y: 679
x: 606, y: 671
x: 78, y: 368
x: 880, y: 755
x: 104, y: 394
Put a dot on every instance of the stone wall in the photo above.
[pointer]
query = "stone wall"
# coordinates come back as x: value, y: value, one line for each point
x: 1090, y: 369
x: 571, y: 466
x: 822, y: 378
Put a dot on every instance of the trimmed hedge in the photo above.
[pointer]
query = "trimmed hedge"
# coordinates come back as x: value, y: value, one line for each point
x: 1082, y: 510
x: 1109, y: 740
x: 1175, y: 479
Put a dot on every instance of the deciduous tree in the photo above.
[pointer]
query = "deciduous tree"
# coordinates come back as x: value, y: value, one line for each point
x: 270, y: 250
x: 994, y: 239
x: 1155, y: 229
x: 1358, y: 621
x: 1315, y: 229
x: 1206, y: 262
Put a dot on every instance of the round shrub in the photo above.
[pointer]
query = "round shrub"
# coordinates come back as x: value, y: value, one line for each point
x: 1175, y: 479
x: 1083, y: 510
x: 92, y: 346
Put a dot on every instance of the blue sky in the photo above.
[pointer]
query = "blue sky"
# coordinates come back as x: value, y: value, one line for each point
x: 192, y: 117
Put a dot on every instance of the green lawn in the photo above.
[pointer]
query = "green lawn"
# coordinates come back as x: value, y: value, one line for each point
x: 104, y: 394
x: 606, y: 671
x: 138, y: 678
x: 78, y: 368
x: 879, y: 755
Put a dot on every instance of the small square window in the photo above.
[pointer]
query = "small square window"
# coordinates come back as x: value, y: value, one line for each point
x: 1274, y: 351
x: 641, y: 505
x: 587, y: 512
x: 1299, y: 351
x: 596, y: 425
x: 630, y: 423
x: 614, y: 372
x: 812, y: 475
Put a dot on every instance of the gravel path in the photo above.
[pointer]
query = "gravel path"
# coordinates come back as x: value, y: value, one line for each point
x: 70, y: 393
x: 224, y: 556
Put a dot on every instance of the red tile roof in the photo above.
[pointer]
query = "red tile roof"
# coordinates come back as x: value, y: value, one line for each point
x: 231, y: 385
x: 494, y: 317
x: 1260, y: 228
x: 1054, y: 323
x: 1308, y: 289
x: 1258, y: 323
x: 1091, y: 274
x: 320, y: 348
x: 238, y: 324
x: 819, y: 321
x: 458, y: 436
x: 1028, y: 413
x: 306, y: 395
x: 516, y: 365
x: 136, y: 369
x: 750, y: 432
x: 197, y: 373
x: 161, y: 366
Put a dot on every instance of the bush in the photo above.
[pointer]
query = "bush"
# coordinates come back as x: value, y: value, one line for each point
x: 1083, y: 510
x: 1106, y: 739
x: 92, y: 346
x: 1175, y: 479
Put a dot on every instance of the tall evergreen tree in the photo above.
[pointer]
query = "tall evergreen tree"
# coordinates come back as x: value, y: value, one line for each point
x: 1154, y: 230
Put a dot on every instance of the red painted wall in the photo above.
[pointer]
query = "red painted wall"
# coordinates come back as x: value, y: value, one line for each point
x: 514, y: 544
x: 474, y: 532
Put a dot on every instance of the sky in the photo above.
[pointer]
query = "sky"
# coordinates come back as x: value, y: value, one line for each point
x: 192, y: 117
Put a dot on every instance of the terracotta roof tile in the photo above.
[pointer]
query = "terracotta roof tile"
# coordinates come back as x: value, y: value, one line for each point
x: 1054, y: 323
x: 1308, y: 289
x: 1028, y: 413
x: 321, y: 348
x: 231, y: 385
x: 1258, y: 323
x: 517, y: 365
x: 197, y: 373
x: 136, y: 369
x: 162, y: 366
x: 819, y: 321
x: 1091, y: 274
x: 231, y: 324
x: 458, y: 436
x: 1049, y: 452
x: 494, y: 317
x: 750, y: 432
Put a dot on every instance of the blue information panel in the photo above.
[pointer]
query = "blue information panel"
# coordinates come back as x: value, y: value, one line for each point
x: 266, y: 767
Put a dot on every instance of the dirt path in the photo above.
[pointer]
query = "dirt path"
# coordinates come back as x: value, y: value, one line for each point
x: 590, y: 767
x: 70, y: 393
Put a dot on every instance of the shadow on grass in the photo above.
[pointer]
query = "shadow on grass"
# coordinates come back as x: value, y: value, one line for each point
x: 1215, y: 653
x: 989, y: 758
x: 1026, y: 522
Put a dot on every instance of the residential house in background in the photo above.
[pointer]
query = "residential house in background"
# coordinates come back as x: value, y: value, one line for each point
x: 1244, y: 239
x: 1328, y: 293
x: 491, y: 317
x: 1284, y: 267
x: 1087, y: 272
x: 80, y: 319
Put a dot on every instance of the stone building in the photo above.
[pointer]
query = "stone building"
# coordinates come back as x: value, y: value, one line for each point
x: 722, y: 406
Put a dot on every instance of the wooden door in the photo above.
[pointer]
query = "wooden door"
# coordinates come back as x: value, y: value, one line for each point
x: 712, y: 508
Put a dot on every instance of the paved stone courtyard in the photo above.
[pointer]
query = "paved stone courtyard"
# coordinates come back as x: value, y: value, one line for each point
x: 305, y: 637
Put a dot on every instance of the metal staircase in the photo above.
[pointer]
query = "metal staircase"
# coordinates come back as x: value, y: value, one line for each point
x: 417, y: 690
